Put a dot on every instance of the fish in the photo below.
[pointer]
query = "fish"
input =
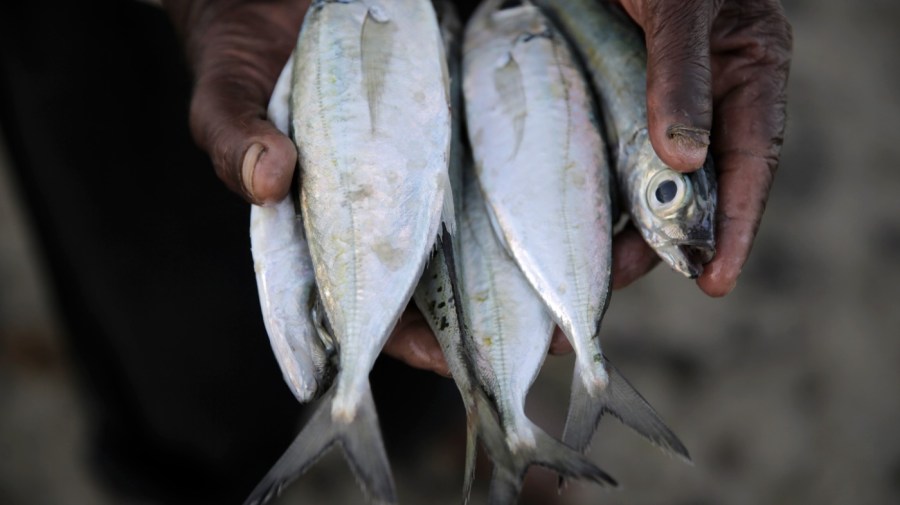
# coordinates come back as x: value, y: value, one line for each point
x: 509, y: 334
x: 451, y: 35
x: 438, y: 296
x: 371, y: 121
x: 540, y: 162
x: 285, y: 280
x: 437, y: 293
x: 674, y: 212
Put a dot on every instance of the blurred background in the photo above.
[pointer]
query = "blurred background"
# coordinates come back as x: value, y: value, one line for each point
x: 786, y: 391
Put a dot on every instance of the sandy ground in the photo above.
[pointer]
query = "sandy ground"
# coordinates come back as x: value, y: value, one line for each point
x: 784, y: 392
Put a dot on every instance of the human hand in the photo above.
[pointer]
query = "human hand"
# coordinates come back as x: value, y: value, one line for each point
x: 236, y: 50
x: 719, y: 66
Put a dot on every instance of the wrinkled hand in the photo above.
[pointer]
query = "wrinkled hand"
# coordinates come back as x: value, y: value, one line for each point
x: 236, y: 49
x: 719, y: 66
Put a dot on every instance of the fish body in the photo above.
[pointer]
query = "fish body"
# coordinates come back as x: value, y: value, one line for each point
x: 437, y: 293
x: 540, y: 161
x: 285, y: 280
x: 371, y: 121
x: 510, y: 330
x: 674, y: 212
x: 436, y: 298
x: 508, y: 335
x: 286, y: 286
x: 372, y: 125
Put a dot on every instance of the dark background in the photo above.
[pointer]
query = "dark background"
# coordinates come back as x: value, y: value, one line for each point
x: 786, y: 391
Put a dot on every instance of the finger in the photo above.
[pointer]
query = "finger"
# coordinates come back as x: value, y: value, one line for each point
x: 679, y: 96
x: 560, y: 344
x: 236, y: 70
x: 631, y: 257
x: 413, y: 343
x: 252, y: 157
x: 751, y: 63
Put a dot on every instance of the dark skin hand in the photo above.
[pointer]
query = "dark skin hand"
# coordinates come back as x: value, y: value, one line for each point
x: 716, y: 77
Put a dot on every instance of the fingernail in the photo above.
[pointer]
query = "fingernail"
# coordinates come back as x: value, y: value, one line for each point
x: 691, y: 143
x: 691, y: 137
x: 248, y: 167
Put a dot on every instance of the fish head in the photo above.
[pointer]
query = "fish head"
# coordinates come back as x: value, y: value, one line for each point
x: 675, y: 213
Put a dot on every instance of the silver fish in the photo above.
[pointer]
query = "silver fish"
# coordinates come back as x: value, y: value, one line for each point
x: 451, y: 33
x: 541, y: 164
x: 675, y: 212
x: 437, y: 292
x: 285, y: 280
x: 370, y: 117
x: 509, y: 333
x: 286, y: 286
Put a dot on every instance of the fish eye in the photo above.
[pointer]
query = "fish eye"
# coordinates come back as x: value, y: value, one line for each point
x: 668, y: 193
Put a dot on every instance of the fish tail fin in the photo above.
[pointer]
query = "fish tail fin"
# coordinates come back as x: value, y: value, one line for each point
x: 361, y: 442
x: 551, y: 453
x: 628, y: 406
x: 621, y: 400
x: 483, y: 422
x: 505, y: 487
x: 510, y: 467
x: 506, y: 483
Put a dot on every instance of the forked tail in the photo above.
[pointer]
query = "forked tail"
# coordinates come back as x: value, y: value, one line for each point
x: 510, y: 466
x: 621, y: 400
x: 360, y: 440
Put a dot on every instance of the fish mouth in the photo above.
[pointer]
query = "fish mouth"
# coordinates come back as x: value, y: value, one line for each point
x: 688, y: 258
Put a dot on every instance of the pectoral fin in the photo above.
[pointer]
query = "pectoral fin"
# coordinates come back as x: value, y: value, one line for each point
x: 511, y: 90
x: 377, y: 47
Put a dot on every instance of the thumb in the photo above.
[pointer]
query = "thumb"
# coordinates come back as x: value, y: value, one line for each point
x: 679, y: 92
x: 237, y: 50
x: 253, y: 158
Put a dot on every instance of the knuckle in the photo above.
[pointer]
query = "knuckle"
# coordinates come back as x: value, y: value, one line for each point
x: 686, y: 23
x: 764, y: 30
